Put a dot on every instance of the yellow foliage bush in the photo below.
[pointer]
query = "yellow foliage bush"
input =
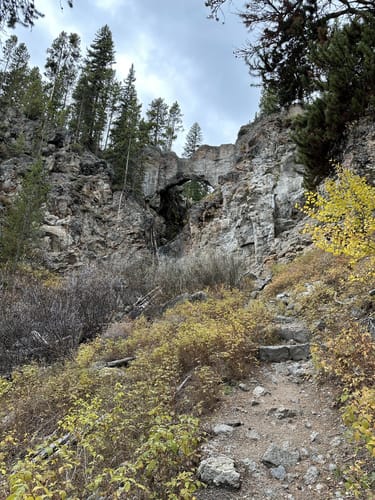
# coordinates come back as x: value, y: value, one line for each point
x: 345, y: 217
x: 344, y: 225
x: 76, y: 428
x: 359, y: 414
x: 349, y: 357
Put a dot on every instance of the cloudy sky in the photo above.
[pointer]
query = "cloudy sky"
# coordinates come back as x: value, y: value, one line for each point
x: 178, y: 54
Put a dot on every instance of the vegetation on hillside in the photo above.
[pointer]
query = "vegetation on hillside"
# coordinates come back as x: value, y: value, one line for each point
x: 79, y: 426
x: 72, y: 423
x: 20, y: 226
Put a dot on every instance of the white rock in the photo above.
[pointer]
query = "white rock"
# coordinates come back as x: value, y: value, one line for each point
x: 253, y: 435
x: 336, y: 441
x: 219, y: 471
x: 259, y: 391
x: 222, y: 429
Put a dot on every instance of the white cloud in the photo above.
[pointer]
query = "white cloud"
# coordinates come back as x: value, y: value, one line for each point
x: 109, y: 4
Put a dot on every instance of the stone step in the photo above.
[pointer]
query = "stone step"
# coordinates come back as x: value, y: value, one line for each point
x: 292, y: 331
x: 278, y: 353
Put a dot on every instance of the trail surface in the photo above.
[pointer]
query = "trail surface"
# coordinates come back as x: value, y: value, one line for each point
x: 284, y: 435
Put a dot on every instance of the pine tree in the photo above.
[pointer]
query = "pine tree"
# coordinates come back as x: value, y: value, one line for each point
x: 61, y: 70
x: 269, y: 102
x: 157, y: 116
x: 174, y: 125
x: 34, y: 98
x: 347, y: 66
x: 126, y: 137
x: 91, y: 95
x: 15, y: 76
x: 22, y: 12
x: 193, y: 140
x: 22, y: 221
x: 7, y: 54
x: 112, y: 108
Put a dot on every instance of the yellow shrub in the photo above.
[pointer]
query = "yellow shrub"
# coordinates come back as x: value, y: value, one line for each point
x: 345, y: 217
x: 359, y: 414
x: 125, y: 432
x: 349, y: 357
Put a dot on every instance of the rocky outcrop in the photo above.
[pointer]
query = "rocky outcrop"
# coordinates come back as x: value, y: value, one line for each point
x: 358, y: 149
x: 84, y: 219
x: 252, y: 212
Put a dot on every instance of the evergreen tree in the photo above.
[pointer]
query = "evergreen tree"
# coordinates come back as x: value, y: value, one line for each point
x: 22, y: 221
x: 126, y: 138
x: 195, y: 190
x: 92, y: 93
x: 193, y: 140
x: 113, y: 108
x: 15, y: 77
x: 34, y: 98
x: 174, y: 125
x: 157, y: 116
x: 269, y: 102
x: 61, y: 70
x: 7, y: 54
x: 285, y: 32
x: 347, y: 86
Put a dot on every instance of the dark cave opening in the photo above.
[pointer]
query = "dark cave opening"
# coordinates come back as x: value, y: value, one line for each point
x: 175, y: 202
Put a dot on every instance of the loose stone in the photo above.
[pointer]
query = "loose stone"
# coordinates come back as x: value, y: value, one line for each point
x: 278, y: 472
x: 219, y: 471
x: 243, y: 387
x: 275, y: 456
x: 222, y: 429
x: 259, y: 391
x: 253, y: 435
x: 311, y: 475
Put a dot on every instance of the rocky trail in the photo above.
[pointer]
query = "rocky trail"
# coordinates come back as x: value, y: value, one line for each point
x: 276, y: 435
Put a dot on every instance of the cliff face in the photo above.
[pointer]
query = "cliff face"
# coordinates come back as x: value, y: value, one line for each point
x: 250, y: 211
x: 84, y: 219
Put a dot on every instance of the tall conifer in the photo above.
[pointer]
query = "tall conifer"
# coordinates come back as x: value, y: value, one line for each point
x: 61, y: 70
x: 91, y: 95
x: 193, y: 140
x: 126, y: 137
x: 15, y: 75
x: 157, y: 116
x: 174, y: 125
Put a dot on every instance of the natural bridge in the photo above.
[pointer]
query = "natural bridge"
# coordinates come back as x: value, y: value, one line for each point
x: 163, y: 171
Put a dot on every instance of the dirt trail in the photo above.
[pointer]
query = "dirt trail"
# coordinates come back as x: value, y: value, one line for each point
x: 293, y: 419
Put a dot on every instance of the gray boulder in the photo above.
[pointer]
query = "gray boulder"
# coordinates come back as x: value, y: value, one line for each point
x: 219, y: 471
x: 311, y: 475
x: 275, y: 456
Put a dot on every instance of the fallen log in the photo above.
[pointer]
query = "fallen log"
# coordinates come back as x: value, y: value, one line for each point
x: 116, y: 363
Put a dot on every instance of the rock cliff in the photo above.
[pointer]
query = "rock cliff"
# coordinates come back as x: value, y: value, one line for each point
x: 250, y: 212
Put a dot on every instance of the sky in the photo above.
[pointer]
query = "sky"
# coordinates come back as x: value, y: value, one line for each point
x: 178, y: 54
